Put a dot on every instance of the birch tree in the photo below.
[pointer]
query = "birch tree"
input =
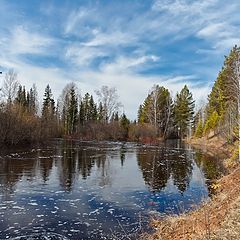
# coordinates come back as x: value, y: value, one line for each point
x: 233, y: 88
x: 109, y: 99
x: 10, y: 85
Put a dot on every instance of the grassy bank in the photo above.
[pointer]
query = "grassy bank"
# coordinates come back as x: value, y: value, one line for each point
x: 217, y: 219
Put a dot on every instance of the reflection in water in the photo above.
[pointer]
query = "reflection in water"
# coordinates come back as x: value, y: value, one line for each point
x: 210, y: 167
x: 156, y: 170
x: 159, y: 165
x: 86, y: 189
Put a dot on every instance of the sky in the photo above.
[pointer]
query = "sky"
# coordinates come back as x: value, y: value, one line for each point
x: 129, y: 44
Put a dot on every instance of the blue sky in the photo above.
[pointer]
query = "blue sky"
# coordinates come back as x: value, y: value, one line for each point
x: 130, y: 45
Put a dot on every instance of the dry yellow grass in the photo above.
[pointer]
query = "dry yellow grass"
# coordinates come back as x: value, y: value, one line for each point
x: 219, y: 219
x: 230, y: 227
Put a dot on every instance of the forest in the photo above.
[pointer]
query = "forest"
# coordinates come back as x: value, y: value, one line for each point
x: 25, y: 118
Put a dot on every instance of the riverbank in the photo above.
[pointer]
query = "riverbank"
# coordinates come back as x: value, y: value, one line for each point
x: 213, y: 146
x: 217, y: 219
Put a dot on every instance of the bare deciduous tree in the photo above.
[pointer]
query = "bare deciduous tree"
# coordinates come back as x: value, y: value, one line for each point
x: 109, y: 99
x: 10, y: 85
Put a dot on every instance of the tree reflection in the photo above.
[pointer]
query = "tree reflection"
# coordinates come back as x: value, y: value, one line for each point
x: 12, y: 170
x: 158, y: 165
x: 67, y: 167
x: 181, y: 167
x: 123, y: 152
x: 210, y: 166
x: 154, y: 167
x: 72, y: 162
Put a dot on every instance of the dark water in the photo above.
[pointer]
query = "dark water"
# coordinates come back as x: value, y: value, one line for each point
x: 89, y: 190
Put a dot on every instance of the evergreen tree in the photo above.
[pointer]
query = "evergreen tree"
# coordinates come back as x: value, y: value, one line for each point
x: 140, y: 116
x: 48, y: 109
x: 199, y: 129
x: 72, y: 112
x: 100, y: 112
x: 81, y: 113
x: 32, y: 100
x: 86, y: 106
x: 124, y: 123
x: 224, y: 99
x: 92, y: 110
x: 183, y: 111
x: 21, y: 98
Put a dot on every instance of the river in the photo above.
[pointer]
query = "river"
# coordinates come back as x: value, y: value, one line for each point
x: 98, y: 190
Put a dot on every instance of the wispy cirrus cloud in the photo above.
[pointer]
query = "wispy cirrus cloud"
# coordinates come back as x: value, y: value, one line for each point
x: 22, y: 41
x: 73, y: 20
x: 129, y: 64
x: 83, y: 56
x: 211, y: 20
x: 130, y: 45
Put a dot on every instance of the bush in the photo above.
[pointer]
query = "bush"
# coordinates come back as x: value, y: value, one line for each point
x: 142, y: 132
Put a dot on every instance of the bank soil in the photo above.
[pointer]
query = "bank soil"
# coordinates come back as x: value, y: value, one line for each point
x: 217, y: 219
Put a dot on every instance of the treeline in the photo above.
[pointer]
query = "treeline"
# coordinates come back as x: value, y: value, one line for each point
x: 22, y: 120
x: 25, y: 120
x: 221, y: 115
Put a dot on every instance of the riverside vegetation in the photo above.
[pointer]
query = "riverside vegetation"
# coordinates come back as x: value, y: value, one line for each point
x: 217, y: 128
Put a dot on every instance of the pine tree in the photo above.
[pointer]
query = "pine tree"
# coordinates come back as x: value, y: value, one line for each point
x: 124, y: 123
x: 72, y: 112
x: 21, y: 98
x: 199, y: 129
x: 100, y: 117
x: 32, y: 100
x: 92, y: 110
x: 81, y: 114
x: 140, y: 116
x: 48, y: 109
x: 183, y: 111
x: 224, y: 99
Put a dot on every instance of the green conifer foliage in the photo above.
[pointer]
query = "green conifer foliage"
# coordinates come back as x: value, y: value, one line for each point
x: 183, y: 111
x: 72, y: 112
x: 48, y: 109
x: 199, y: 129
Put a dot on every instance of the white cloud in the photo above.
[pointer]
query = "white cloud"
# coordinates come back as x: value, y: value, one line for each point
x: 125, y: 64
x: 183, y: 6
x: 83, y: 56
x: 73, y: 19
x: 212, y: 29
x: 26, y: 42
x: 212, y: 20
x: 222, y: 35
x: 112, y: 38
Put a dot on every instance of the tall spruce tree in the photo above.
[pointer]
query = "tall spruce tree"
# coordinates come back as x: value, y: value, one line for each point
x: 72, y: 111
x: 48, y: 109
x: 183, y: 111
